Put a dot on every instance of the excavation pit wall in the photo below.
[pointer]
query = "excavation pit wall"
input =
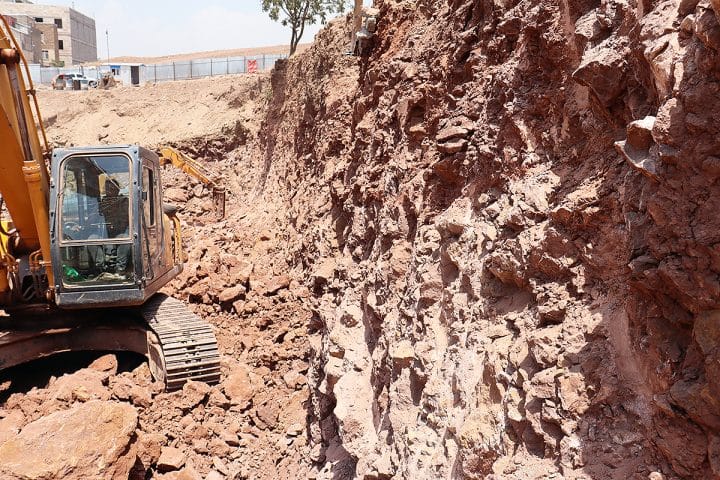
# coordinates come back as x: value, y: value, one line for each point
x: 493, y: 244
x: 504, y: 214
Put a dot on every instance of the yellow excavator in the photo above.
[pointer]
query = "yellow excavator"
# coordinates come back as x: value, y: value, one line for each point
x: 86, y: 243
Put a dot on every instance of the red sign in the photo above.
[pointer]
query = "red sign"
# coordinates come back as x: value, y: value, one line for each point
x: 252, y: 66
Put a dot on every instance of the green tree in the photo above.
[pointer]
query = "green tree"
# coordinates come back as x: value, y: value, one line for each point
x: 296, y: 14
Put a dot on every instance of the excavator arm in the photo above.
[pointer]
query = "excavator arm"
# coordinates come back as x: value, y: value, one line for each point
x: 171, y: 156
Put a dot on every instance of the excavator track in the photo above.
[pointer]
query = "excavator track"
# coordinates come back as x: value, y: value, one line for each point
x: 184, y: 347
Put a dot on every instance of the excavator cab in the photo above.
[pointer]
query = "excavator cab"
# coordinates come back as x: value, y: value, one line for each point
x: 111, y: 243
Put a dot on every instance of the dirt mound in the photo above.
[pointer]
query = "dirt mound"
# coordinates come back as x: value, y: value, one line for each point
x: 211, y: 108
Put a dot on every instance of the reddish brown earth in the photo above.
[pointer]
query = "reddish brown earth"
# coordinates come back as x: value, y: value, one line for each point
x: 500, y: 288
x: 487, y: 250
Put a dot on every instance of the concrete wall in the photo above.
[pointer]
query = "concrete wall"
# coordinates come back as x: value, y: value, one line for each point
x: 207, y: 67
x: 163, y: 72
x: 84, y: 38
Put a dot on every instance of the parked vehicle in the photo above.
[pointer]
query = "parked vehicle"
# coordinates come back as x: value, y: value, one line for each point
x: 64, y: 81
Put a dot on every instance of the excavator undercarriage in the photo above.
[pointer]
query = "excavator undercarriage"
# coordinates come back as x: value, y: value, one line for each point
x: 179, y: 345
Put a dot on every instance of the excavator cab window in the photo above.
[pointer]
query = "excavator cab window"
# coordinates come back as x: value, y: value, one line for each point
x: 94, y: 221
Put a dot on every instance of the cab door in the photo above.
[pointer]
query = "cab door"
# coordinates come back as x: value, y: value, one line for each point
x: 150, y: 222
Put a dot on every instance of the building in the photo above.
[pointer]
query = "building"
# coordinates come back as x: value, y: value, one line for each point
x: 76, y: 34
x: 28, y: 36
x: 50, y: 41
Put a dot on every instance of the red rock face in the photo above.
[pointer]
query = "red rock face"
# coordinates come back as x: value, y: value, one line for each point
x: 510, y: 293
x: 493, y: 240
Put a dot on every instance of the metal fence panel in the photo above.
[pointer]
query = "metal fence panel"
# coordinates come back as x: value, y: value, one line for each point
x: 165, y: 72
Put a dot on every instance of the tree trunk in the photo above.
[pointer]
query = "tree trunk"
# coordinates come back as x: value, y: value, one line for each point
x: 293, y: 41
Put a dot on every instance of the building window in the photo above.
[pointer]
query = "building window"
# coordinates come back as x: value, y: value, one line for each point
x: 38, y: 20
x: 46, y: 55
x: 58, y: 22
x: 61, y: 44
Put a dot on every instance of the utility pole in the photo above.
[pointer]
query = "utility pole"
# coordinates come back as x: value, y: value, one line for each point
x: 107, y: 37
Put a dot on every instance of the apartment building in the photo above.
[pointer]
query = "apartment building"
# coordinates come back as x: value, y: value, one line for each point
x: 75, y: 34
x: 28, y: 36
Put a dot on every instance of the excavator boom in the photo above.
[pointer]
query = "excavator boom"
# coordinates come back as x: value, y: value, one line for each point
x: 24, y: 175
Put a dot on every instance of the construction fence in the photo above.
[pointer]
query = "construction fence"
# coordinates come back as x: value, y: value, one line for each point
x: 137, y: 74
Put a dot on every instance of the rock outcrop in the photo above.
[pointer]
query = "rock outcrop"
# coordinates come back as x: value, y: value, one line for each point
x: 504, y: 215
x: 93, y: 440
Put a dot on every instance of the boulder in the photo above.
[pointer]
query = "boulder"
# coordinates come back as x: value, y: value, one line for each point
x: 267, y: 413
x: 231, y: 294
x: 238, y: 387
x: 10, y: 425
x: 324, y: 272
x: 451, y: 133
x: 175, y: 195
x: 107, y: 364
x: 170, y: 459
x: 639, y: 133
x: 150, y: 448
x: 640, y: 160
x: 453, y: 146
x: 276, y: 284
x: 603, y: 70
x: 193, y: 394
x: 82, y: 385
x: 92, y: 440
x: 572, y: 392
x: 240, y: 273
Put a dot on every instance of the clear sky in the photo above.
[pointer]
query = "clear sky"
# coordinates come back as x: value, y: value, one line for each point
x: 163, y: 27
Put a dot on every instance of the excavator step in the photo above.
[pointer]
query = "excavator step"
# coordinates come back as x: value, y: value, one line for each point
x: 183, y: 346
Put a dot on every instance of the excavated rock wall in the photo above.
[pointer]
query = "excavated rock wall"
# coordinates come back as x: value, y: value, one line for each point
x: 507, y: 217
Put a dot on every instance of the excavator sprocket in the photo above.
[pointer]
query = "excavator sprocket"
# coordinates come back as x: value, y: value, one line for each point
x: 184, y: 347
